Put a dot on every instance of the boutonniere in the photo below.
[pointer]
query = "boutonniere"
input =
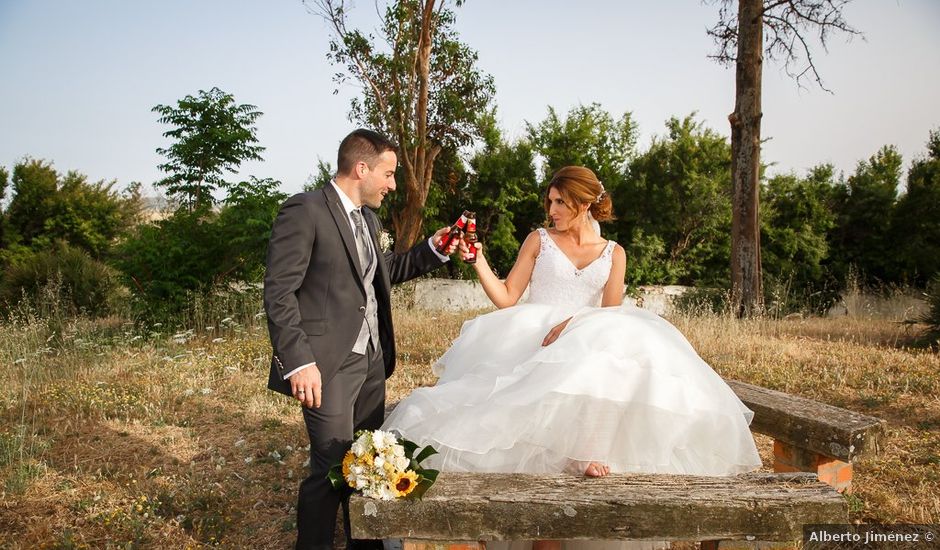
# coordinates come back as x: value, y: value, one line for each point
x: 385, y: 241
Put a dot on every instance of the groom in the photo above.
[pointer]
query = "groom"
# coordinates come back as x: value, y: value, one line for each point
x: 327, y: 298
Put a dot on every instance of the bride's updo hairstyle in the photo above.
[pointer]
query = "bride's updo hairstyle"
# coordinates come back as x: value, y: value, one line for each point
x: 578, y: 185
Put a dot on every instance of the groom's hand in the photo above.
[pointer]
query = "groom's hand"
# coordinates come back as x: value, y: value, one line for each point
x: 305, y: 386
x: 440, y: 234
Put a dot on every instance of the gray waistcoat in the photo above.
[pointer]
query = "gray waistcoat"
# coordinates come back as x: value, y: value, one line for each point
x: 370, y: 323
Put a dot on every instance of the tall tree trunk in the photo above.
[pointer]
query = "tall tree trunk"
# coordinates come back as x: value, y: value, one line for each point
x: 746, y: 288
x: 419, y: 157
x: 408, y: 221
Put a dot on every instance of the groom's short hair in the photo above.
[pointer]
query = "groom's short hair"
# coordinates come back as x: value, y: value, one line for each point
x: 361, y: 145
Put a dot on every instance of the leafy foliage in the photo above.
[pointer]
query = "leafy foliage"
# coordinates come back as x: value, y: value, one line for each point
x: 47, y: 208
x: 212, y: 136
x: 501, y: 184
x: 864, y: 206
x: 245, y: 224
x: 679, y: 192
x: 74, y: 279
x: 915, y: 228
x: 796, y: 216
x: 199, y: 254
x: 168, y: 261
x: 420, y: 85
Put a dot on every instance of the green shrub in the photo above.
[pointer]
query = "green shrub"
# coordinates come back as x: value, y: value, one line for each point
x: 63, y: 280
x: 703, y: 301
x: 170, y: 261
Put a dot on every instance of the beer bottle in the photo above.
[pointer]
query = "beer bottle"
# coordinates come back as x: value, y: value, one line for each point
x: 456, y: 231
x: 472, y: 238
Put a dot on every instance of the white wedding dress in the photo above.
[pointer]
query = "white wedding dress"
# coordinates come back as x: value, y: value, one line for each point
x: 620, y: 386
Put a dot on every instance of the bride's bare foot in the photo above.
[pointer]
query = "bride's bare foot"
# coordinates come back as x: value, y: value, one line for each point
x: 596, y: 469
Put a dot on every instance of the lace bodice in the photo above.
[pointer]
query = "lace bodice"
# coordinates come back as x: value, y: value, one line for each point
x: 556, y: 281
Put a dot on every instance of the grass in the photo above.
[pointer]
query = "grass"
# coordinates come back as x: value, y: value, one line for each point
x: 115, y: 436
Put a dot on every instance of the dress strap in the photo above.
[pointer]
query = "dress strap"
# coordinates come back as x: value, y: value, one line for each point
x: 543, y: 239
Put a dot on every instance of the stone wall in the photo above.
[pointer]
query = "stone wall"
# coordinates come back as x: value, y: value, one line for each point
x: 453, y: 295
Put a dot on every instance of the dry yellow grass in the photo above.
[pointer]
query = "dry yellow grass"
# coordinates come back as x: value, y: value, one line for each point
x: 112, y: 437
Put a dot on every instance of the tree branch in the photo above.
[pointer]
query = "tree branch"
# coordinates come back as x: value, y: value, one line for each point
x: 337, y: 18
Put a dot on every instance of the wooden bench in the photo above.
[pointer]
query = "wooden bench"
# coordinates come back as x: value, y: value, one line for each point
x: 755, y: 507
x: 814, y: 447
x: 810, y: 436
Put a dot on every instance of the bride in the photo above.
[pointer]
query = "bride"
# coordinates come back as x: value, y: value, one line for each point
x: 572, y: 380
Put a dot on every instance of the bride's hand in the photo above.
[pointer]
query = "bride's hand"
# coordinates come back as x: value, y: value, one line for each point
x: 556, y: 330
x: 465, y: 251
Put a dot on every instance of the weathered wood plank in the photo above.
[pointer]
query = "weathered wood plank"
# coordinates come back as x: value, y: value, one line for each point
x: 469, y: 507
x: 808, y: 424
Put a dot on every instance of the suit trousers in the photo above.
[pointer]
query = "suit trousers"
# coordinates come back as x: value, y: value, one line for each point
x: 354, y: 399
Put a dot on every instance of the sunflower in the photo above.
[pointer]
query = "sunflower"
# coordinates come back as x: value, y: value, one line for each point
x: 404, y: 483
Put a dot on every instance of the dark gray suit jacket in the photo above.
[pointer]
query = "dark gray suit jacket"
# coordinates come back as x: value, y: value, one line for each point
x: 313, y: 292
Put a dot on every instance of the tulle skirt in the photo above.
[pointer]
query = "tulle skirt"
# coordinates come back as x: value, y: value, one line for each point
x: 620, y: 386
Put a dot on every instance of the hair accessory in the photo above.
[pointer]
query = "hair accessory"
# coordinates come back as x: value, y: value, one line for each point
x: 603, y: 192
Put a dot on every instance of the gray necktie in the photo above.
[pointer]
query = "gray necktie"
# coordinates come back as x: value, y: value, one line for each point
x: 362, y: 242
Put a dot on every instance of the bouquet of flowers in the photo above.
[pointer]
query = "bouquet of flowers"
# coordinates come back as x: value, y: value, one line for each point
x: 384, y: 466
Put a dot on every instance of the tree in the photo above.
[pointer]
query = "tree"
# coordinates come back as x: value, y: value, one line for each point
x: 864, y: 206
x: 915, y: 227
x: 245, y: 224
x: 796, y: 219
x: 502, y: 184
x: 35, y: 183
x: 739, y: 35
x: 424, y: 90
x: 201, y: 253
x: 213, y: 136
x: 675, y: 207
x: 47, y: 207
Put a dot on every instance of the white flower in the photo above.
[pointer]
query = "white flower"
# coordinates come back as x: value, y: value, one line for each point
x: 379, y: 462
x: 385, y: 241
x: 360, y: 446
x: 378, y: 440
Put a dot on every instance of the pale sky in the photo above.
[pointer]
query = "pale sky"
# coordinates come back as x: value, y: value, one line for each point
x: 79, y: 77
